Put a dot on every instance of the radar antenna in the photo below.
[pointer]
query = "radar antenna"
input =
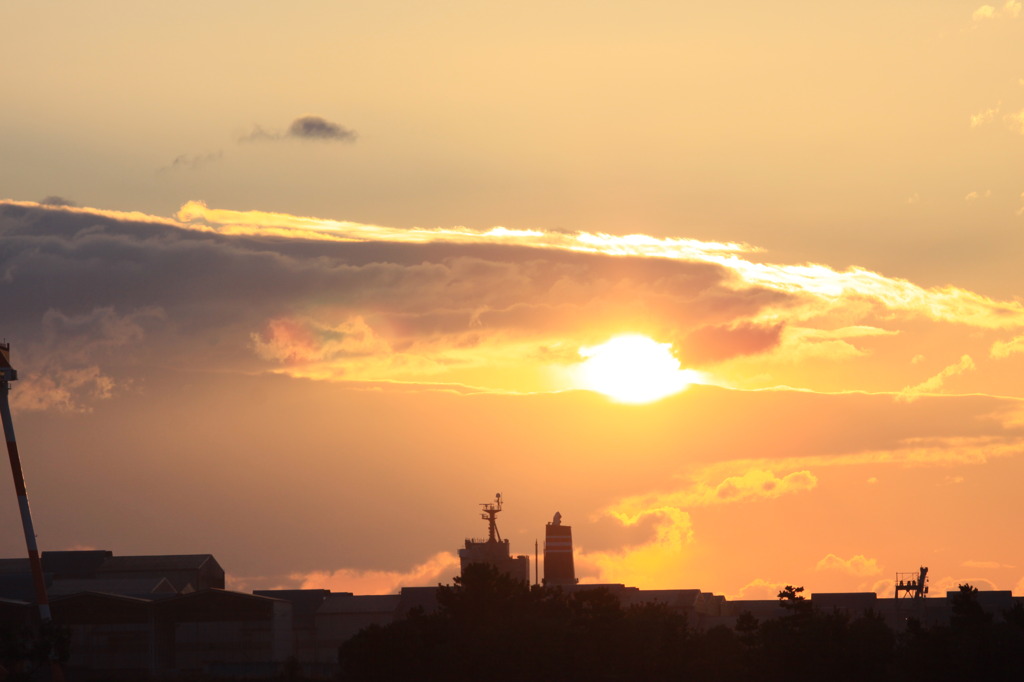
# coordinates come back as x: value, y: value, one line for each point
x: 491, y: 509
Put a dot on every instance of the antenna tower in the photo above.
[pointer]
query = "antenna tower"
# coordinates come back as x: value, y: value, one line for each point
x: 491, y: 510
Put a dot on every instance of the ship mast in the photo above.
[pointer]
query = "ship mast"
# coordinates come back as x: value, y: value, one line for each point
x: 491, y: 510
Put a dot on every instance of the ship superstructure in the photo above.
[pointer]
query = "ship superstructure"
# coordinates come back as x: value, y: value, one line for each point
x: 494, y: 551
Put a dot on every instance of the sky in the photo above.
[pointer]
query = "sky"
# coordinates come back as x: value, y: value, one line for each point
x: 302, y: 286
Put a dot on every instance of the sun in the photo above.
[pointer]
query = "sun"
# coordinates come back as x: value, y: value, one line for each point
x: 633, y: 369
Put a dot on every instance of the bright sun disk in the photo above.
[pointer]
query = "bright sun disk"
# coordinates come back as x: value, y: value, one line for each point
x: 633, y: 369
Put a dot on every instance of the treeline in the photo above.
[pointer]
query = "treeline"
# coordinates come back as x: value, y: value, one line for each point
x: 489, y: 627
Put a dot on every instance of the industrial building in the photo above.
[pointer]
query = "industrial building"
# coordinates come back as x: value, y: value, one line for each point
x: 136, y: 616
x: 559, y: 568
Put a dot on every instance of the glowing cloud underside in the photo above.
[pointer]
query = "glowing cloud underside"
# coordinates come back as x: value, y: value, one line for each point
x: 818, y: 282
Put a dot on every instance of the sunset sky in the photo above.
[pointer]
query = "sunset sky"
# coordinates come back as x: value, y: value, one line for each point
x: 301, y: 285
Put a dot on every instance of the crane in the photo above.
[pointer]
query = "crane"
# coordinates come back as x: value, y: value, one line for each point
x: 7, y: 375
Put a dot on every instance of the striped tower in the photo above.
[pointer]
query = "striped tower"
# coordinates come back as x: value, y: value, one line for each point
x: 558, y: 564
x: 7, y: 375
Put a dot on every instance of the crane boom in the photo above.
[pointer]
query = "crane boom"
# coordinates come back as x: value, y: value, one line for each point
x: 7, y: 375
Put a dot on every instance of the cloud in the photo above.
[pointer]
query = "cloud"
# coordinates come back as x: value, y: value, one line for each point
x: 984, y: 13
x: 192, y: 161
x: 974, y: 196
x: 70, y: 390
x: 347, y: 301
x: 305, y: 340
x: 1004, y: 349
x: 819, y: 286
x: 316, y: 128
x: 656, y: 563
x: 984, y: 117
x: 714, y: 343
x: 305, y: 128
x: 913, y: 452
x: 939, y: 586
x: 858, y: 565
x: 65, y: 365
x: 934, y: 383
x: 986, y: 564
x: 54, y: 200
x: 1015, y: 121
x: 1010, y: 10
x: 758, y: 589
x: 439, y: 568
x: 751, y: 485
x: 799, y: 344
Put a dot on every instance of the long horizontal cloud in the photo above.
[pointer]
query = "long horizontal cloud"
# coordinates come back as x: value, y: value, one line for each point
x: 437, y: 569
x: 338, y: 300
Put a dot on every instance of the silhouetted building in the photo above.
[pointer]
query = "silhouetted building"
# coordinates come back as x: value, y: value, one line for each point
x: 305, y: 606
x: 558, y: 564
x: 100, y: 571
x: 342, y: 615
x: 494, y: 551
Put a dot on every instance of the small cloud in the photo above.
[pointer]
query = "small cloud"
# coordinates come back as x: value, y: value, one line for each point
x: 1004, y: 349
x: 316, y: 128
x: 986, y: 564
x: 914, y: 198
x: 954, y: 480
x: 305, y: 128
x: 258, y: 133
x: 932, y: 384
x: 1015, y: 121
x: 54, y: 200
x: 759, y: 588
x: 917, y: 359
x: 983, y: 13
x: 1010, y: 10
x: 855, y: 565
x: 192, y: 161
x: 983, y: 117
x: 974, y: 196
x: 873, y: 480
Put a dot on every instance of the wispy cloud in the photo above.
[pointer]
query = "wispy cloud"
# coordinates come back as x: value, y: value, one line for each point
x: 439, y: 568
x: 54, y: 200
x: 1015, y: 121
x: 821, y: 283
x: 1004, y: 349
x: 970, y: 563
x: 858, y: 565
x: 192, y: 161
x: 305, y: 128
x: 984, y: 117
x: 935, y: 383
x: 1009, y: 10
x: 66, y: 369
x: 751, y: 485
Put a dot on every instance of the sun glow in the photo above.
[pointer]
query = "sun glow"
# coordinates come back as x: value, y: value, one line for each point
x: 633, y: 369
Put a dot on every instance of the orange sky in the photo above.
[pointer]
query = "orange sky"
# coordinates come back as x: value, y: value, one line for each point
x: 304, y: 301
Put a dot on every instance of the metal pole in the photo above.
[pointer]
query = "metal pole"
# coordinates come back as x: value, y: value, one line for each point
x: 7, y: 375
